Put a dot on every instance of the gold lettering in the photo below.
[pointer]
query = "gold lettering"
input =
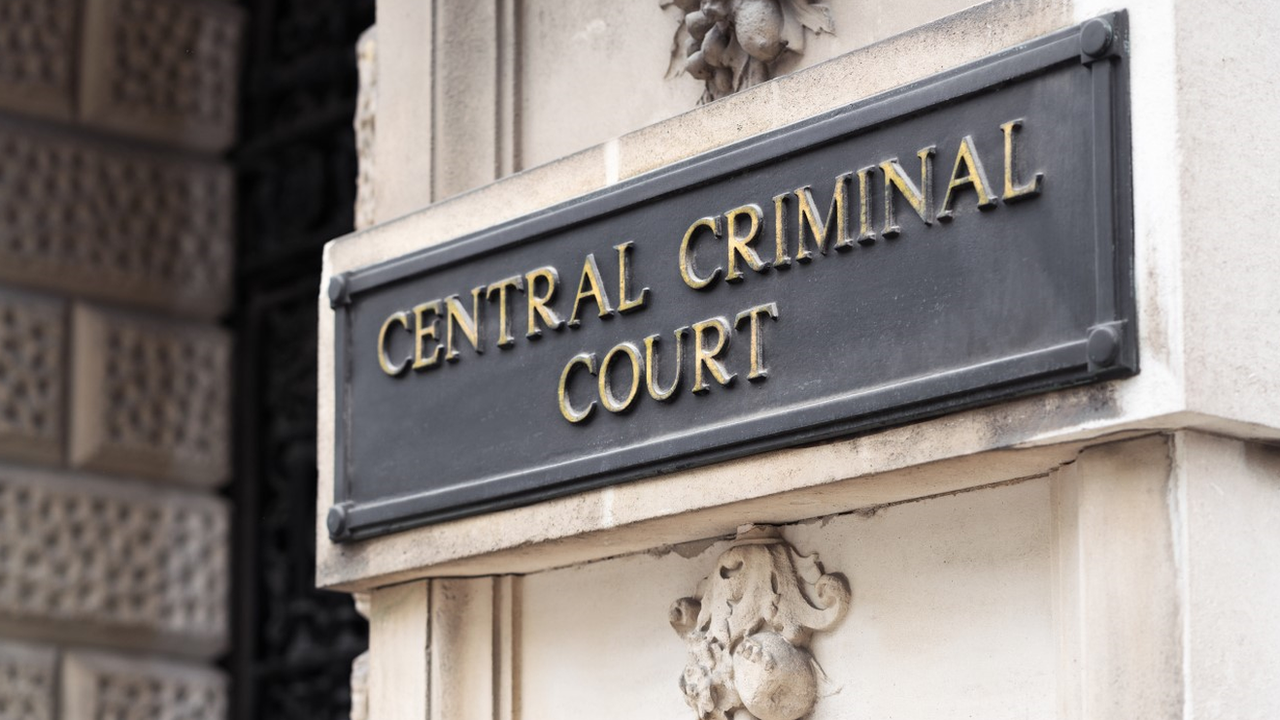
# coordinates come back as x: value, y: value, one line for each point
x: 422, y: 330
x: 920, y: 198
x: 866, y: 235
x: 974, y: 175
x: 759, y: 372
x: 740, y: 245
x: 591, y: 276
x: 687, y: 271
x: 626, y: 304
x: 569, y: 412
x: 469, y: 324
x: 651, y: 366
x: 607, y: 398
x: 538, y: 303
x: 1013, y: 192
x: 808, y: 219
x: 709, y: 358
x: 384, y: 362
x: 781, y: 256
x: 515, y: 282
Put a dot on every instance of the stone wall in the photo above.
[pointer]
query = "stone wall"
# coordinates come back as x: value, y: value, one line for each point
x: 1093, y: 553
x: 116, y: 251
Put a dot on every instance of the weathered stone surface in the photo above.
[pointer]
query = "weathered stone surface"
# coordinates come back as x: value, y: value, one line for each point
x: 366, y: 126
x: 151, y: 398
x: 27, y: 681
x: 97, y: 686
x: 162, y: 69
x: 112, y: 561
x: 37, y: 53
x: 77, y: 217
x: 32, y: 351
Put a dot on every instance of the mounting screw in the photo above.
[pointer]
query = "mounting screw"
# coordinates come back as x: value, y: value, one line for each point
x: 1103, y: 346
x: 1095, y: 38
x: 337, y: 521
x: 338, y: 290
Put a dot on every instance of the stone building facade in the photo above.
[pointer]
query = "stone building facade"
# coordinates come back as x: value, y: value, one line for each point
x: 1092, y: 552
x: 1096, y: 552
x: 116, y: 263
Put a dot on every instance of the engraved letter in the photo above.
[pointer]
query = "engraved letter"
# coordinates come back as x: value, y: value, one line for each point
x: 384, y: 362
x: 423, y: 331
x: 974, y: 175
x: 651, y: 366
x: 570, y: 413
x: 626, y: 304
x: 921, y: 198
x: 1013, y: 192
x: 607, y: 398
x: 740, y: 245
x: 590, y: 276
x: 470, y: 326
x: 704, y: 357
x: 808, y: 221
x: 515, y: 282
x: 538, y: 303
x: 866, y: 235
x: 687, y: 271
x: 759, y: 372
x: 781, y: 256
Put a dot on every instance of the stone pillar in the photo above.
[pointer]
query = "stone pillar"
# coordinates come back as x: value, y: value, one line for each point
x: 116, y: 253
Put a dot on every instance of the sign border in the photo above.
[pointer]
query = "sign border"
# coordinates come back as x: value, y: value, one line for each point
x: 1108, y: 350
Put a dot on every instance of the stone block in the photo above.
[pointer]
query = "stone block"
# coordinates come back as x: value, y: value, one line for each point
x: 27, y: 681
x: 164, y: 70
x: 32, y: 351
x: 97, y: 686
x: 37, y: 56
x: 112, y: 562
x: 80, y: 218
x: 151, y: 397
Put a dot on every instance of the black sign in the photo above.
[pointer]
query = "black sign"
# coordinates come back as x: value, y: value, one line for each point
x: 963, y: 239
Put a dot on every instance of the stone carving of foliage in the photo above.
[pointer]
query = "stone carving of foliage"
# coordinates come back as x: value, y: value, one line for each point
x: 734, y: 44
x: 748, y: 626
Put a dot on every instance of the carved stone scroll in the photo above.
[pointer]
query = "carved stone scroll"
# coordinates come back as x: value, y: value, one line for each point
x: 748, y: 626
x: 734, y: 44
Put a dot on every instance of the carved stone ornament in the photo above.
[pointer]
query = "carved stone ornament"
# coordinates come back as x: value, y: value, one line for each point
x: 734, y: 44
x: 748, y: 626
